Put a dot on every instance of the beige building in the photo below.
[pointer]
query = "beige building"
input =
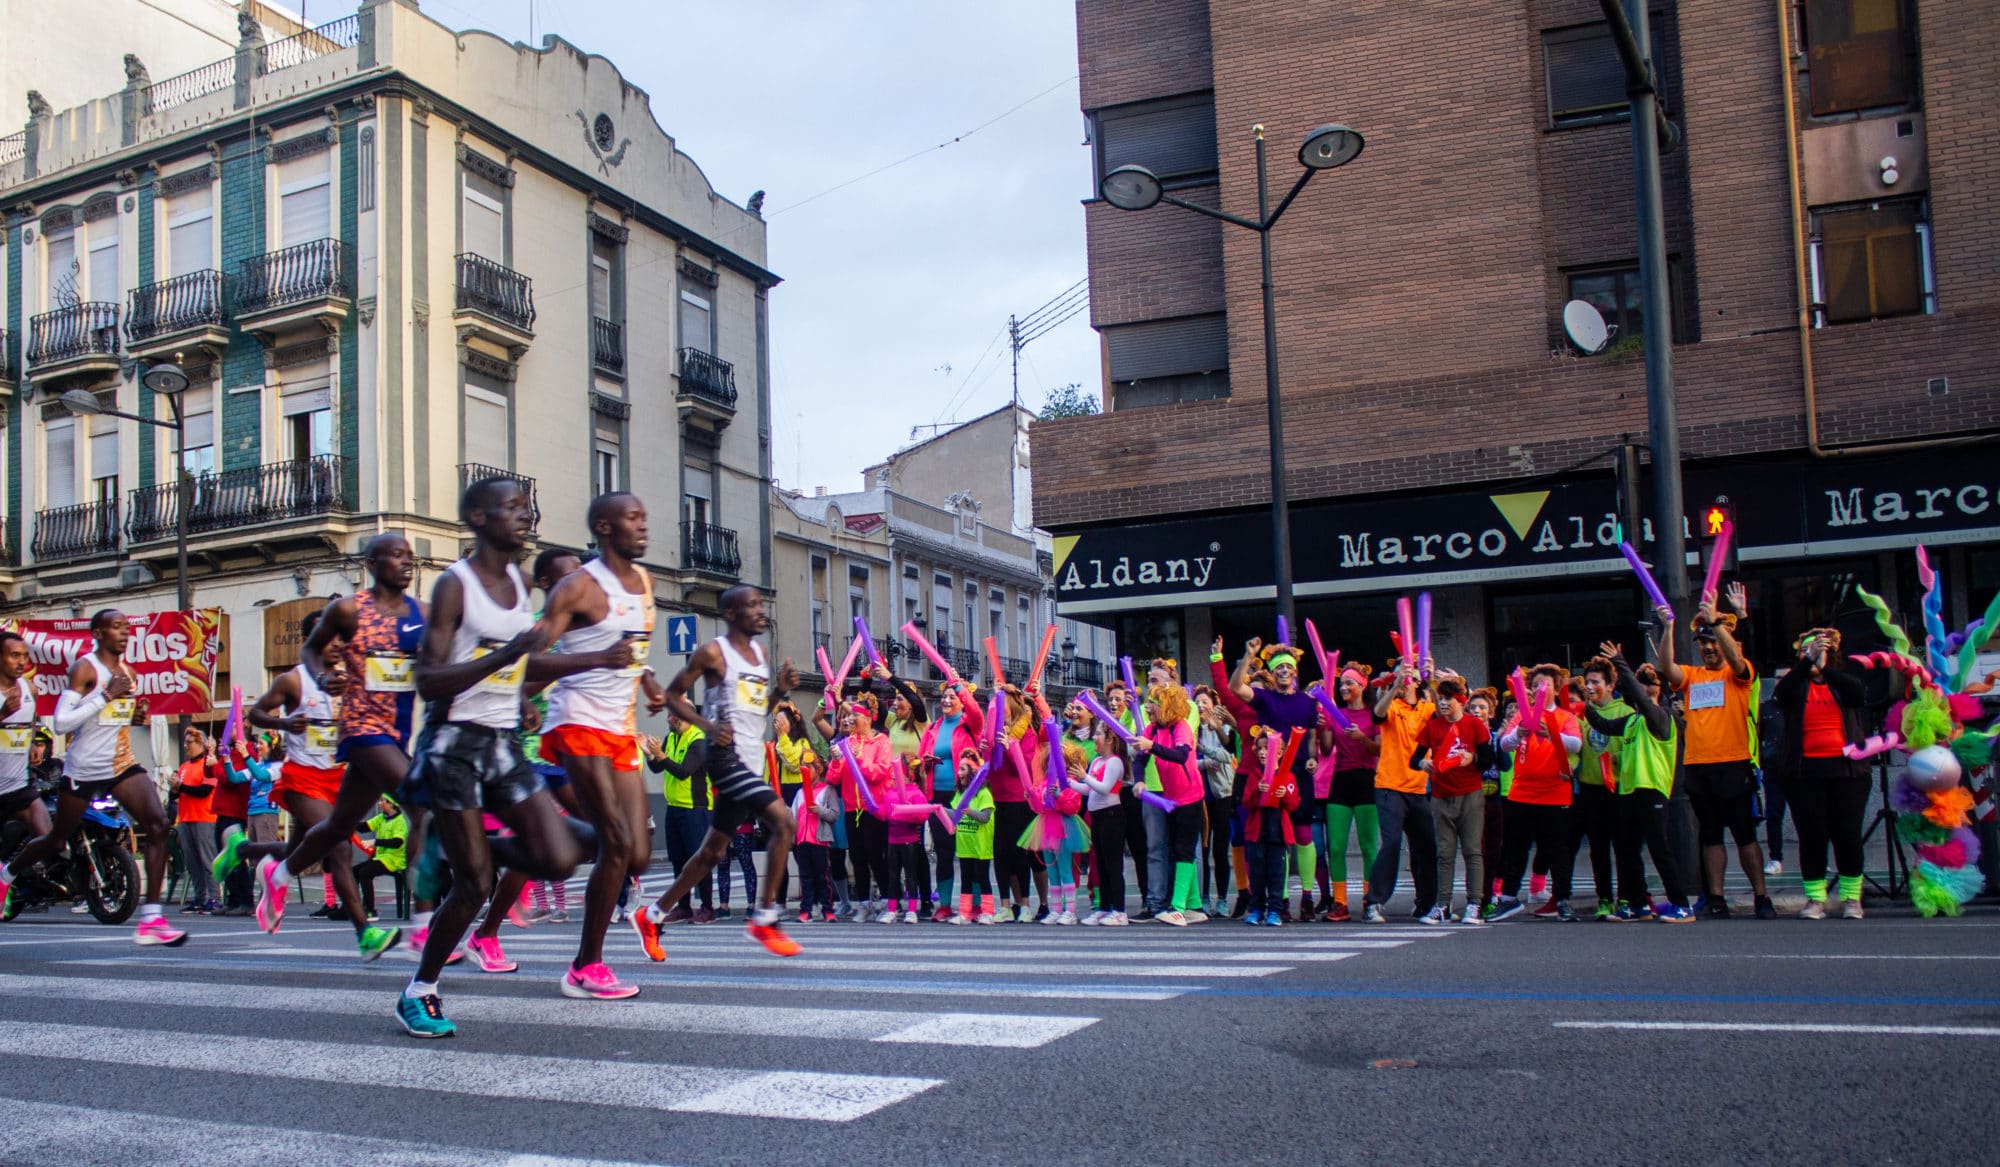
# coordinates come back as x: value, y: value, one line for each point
x: 49, y: 50
x: 392, y: 257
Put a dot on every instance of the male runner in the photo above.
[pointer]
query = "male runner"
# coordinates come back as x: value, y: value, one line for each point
x: 309, y: 782
x: 17, y: 737
x: 740, y: 696
x: 97, y: 709
x: 593, y: 730
x: 468, y: 757
x: 374, y: 678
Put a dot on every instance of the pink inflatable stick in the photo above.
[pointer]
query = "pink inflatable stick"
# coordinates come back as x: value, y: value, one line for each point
x: 1717, y: 552
x: 1406, y: 625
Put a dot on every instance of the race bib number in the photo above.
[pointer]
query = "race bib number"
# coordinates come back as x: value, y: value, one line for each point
x: 322, y: 735
x: 753, y: 693
x: 118, y: 712
x: 389, y: 673
x: 1705, y: 695
x: 642, y: 647
x: 505, y: 681
x: 15, y: 740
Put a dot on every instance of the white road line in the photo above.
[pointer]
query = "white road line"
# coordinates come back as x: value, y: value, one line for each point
x: 872, y: 963
x: 413, y: 1065
x: 1843, y: 956
x: 1801, y: 1027
x: 907, y: 1027
x: 1049, y: 953
x: 120, y: 939
x: 41, y: 1132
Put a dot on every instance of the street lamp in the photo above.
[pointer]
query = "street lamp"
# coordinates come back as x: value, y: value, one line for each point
x: 1135, y: 188
x: 169, y: 381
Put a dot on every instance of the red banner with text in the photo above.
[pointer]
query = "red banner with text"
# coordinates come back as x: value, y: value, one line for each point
x: 172, y: 654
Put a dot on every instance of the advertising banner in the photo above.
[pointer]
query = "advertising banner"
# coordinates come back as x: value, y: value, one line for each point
x: 172, y: 655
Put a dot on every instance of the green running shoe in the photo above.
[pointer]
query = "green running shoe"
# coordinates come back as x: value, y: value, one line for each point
x: 374, y: 941
x: 226, y: 859
x: 1603, y: 911
x: 424, y: 1016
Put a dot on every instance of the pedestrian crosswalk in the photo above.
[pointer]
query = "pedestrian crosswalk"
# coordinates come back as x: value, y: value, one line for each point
x: 721, y: 1029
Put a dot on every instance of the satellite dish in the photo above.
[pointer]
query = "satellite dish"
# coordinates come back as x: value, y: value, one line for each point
x: 1585, y: 326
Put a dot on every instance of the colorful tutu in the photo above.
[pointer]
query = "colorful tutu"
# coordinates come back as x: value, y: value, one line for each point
x: 1056, y: 832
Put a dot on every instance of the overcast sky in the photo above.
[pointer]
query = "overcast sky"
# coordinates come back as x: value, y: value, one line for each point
x: 897, y: 284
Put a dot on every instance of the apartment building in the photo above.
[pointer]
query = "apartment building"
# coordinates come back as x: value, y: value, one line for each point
x: 1443, y: 432
x: 392, y: 257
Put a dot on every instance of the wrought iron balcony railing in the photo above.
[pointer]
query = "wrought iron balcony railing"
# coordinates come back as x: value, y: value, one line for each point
x: 710, y: 549
x: 499, y: 292
x: 177, y: 305
x: 242, y: 497
x: 314, y: 270
x: 471, y: 472
x: 708, y: 376
x: 607, y: 344
x: 75, y: 330
x: 74, y: 532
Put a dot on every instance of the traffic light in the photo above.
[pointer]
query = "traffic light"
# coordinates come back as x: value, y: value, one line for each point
x: 1714, y: 517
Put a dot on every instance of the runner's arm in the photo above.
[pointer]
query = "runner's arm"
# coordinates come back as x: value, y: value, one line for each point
x: 73, y: 709
x: 268, y: 712
x: 1670, y: 669
x: 706, y: 663
x: 438, y: 677
x: 339, y: 623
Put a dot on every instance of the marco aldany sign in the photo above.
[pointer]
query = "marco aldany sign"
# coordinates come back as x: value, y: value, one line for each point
x: 1782, y: 507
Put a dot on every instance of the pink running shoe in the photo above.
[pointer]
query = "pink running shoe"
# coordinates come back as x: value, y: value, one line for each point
x: 158, y: 931
x: 487, y: 952
x: 596, y: 981
x: 270, y: 898
x: 415, y: 938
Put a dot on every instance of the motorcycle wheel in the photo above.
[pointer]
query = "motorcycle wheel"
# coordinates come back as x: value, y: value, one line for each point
x: 114, y: 899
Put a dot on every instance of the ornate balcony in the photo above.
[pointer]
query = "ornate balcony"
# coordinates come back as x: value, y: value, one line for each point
x: 245, y: 497
x: 76, y: 532
x: 78, y: 339
x: 707, y: 392
x: 181, y: 313
x: 471, y: 472
x: 607, y: 344
x: 707, y: 549
x: 495, y: 303
x: 286, y: 291
x: 8, y: 373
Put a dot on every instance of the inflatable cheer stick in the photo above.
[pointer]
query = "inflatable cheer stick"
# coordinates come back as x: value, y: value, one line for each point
x: 1089, y: 701
x: 1406, y: 624
x: 1717, y: 552
x: 1133, y: 694
x: 1319, y: 652
x: 826, y: 670
x: 945, y: 817
x: 1646, y: 579
x: 860, y: 776
x: 1524, y: 705
x: 1056, y: 770
x: 993, y: 662
x: 965, y: 799
x: 867, y: 641
x: 1877, y: 744
x: 1155, y: 800
x: 916, y: 636
x: 839, y: 677
x: 1042, y: 656
x: 1284, y: 631
x: 1333, y: 711
x: 1423, y: 648
x: 1396, y: 639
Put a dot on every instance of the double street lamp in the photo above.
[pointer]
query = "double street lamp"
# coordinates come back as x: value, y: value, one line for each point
x: 1135, y: 188
x: 169, y: 381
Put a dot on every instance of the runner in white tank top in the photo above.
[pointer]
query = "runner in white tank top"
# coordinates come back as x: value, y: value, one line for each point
x: 483, y: 627
x: 100, y: 746
x: 742, y: 701
x: 17, y: 734
x: 315, y: 745
x: 607, y: 699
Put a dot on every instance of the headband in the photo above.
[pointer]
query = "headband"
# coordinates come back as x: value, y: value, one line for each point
x: 1282, y: 658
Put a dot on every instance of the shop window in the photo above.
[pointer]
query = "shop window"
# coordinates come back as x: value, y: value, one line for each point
x: 1860, y: 54
x: 1173, y: 137
x: 1872, y: 261
x: 1167, y: 362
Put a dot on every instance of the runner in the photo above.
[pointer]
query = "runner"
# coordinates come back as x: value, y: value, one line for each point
x: 97, y: 709
x: 468, y: 760
x: 17, y: 737
x: 740, y: 693
x: 1720, y: 694
x: 379, y: 630
x: 308, y: 783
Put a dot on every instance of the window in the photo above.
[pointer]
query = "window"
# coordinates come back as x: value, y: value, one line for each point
x: 603, y: 263
x: 190, y: 231
x: 364, y: 171
x: 607, y: 455
x: 305, y: 200
x: 697, y: 320
x: 816, y: 591
x: 104, y: 260
x: 698, y: 492
x: 1860, y: 54
x: 488, y: 426
x: 1618, y: 296
x: 305, y: 405
x: 63, y: 271
x: 1163, y: 362
x: 59, y: 462
x: 857, y: 592
x: 1872, y: 261
x: 941, y: 609
x: 1021, y: 624
x: 1173, y: 137
x: 485, y: 217
x: 104, y: 459
x: 1585, y: 78
x: 198, y: 434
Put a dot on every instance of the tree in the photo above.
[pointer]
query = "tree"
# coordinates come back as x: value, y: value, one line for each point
x: 1069, y: 401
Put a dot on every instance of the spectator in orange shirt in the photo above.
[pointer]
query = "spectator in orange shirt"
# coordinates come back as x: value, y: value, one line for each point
x: 194, y: 790
x: 1402, y: 799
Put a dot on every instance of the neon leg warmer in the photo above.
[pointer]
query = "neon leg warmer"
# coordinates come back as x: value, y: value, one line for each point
x: 1369, y: 828
x: 1306, y: 856
x: 1850, y: 888
x: 1816, y: 890
x: 1187, y: 884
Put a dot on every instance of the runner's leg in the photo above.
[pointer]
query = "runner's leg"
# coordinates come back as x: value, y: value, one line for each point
x: 596, y: 787
x: 142, y: 802
x: 69, y: 812
x: 464, y: 841
x: 782, y: 828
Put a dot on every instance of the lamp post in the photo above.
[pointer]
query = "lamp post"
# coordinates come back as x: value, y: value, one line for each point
x: 1135, y: 188
x: 169, y: 381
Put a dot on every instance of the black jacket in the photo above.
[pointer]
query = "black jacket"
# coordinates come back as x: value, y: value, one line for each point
x: 1856, y: 718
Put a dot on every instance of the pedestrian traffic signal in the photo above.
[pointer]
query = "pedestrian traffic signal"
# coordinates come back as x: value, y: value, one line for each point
x: 1717, y: 517
x: 1714, y: 516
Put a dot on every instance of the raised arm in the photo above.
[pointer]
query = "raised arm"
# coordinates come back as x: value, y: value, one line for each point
x: 1239, y: 681
x: 283, y: 694
x: 438, y: 677
x: 1670, y: 669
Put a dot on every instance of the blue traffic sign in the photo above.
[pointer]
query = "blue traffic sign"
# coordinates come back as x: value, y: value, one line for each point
x: 680, y: 634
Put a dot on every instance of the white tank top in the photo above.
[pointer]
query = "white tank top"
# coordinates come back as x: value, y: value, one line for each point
x: 743, y: 702
x: 484, y: 626
x: 102, y: 747
x: 315, y: 746
x: 17, y: 735
x: 607, y: 699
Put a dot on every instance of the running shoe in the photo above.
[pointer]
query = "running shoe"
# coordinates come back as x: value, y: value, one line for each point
x: 1814, y: 910
x: 1603, y: 911
x: 1241, y: 906
x: 1094, y: 919
x: 961, y: 920
x: 1066, y: 919
x: 1565, y: 913
x: 487, y: 952
x: 1766, y: 910
x: 1435, y: 916
x: 1547, y: 910
x: 649, y: 934
x: 1045, y: 919
x: 413, y: 944
x: 1195, y: 916
x: 1630, y: 914
x: 596, y: 982
x: 1372, y: 914
x: 517, y: 916
x: 890, y: 917
x: 1337, y: 914
x: 1718, y: 908
x: 1775, y: 867
x: 158, y: 931
x: 1143, y: 915
x: 772, y: 936
x: 1324, y: 906
x: 830, y: 918
x: 1504, y: 908
x: 1851, y: 910
x: 1674, y: 914
x: 1285, y: 911
x: 325, y: 912
x: 805, y: 917
x: 941, y: 915
x: 1254, y: 919
x: 270, y: 897
x: 703, y: 916
x: 1172, y: 916
x: 541, y: 915
x: 1115, y: 920
x: 680, y: 914
x: 226, y: 858
x: 985, y: 918
x: 722, y: 913
x: 424, y: 1016
x: 618, y: 915
x: 912, y: 917
x: 1473, y: 915
x: 1272, y: 920
x: 559, y: 917
x: 373, y: 942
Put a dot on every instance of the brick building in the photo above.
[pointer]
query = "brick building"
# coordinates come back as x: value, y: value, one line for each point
x: 1442, y: 432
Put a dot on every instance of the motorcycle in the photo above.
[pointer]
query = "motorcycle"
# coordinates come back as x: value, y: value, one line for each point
x: 96, y: 866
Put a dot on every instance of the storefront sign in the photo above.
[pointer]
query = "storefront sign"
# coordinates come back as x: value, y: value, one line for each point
x: 172, y: 654
x: 1782, y: 509
x: 281, y: 632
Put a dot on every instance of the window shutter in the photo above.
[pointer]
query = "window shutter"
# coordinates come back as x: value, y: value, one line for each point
x: 486, y: 428
x: 1585, y: 76
x: 1165, y: 348
x: 485, y: 218
x: 1175, y: 139
x: 59, y: 446
x: 190, y: 245
x: 696, y: 326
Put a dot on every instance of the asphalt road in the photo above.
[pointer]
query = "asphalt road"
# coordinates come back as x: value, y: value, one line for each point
x: 1529, y: 1042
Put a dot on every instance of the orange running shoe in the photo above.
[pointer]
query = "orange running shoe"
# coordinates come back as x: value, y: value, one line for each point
x: 765, y: 930
x: 649, y: 933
